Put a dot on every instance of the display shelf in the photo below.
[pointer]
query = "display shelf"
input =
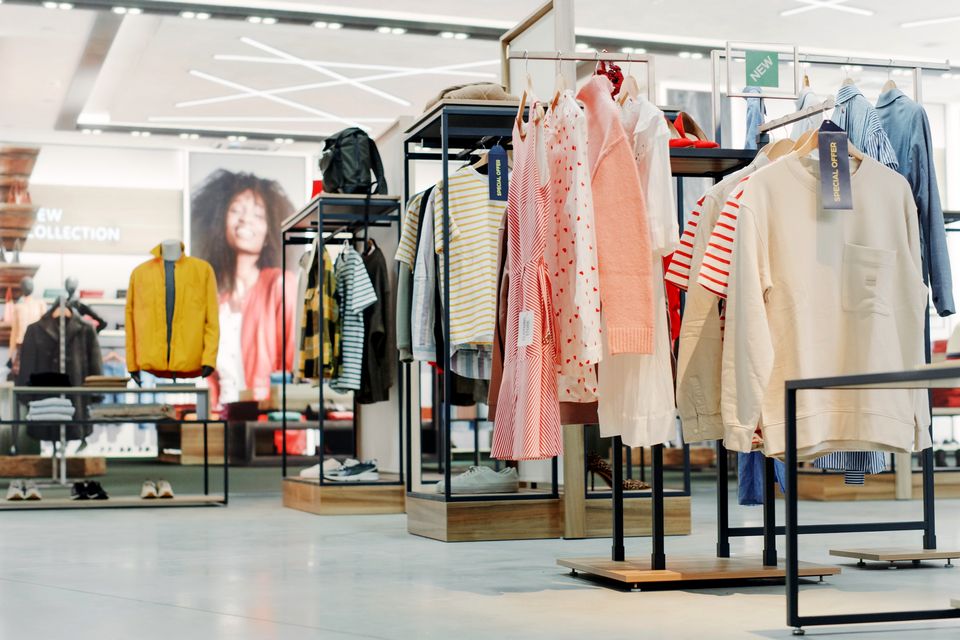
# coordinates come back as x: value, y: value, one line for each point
x: 5, y: 329
x: 16, y: 221
x: 12, y: 274
x: 485, y: 517
x: 635, y: 574
x: 29, y: 466
x: 18, y: 162
x: 688, y: 162
x: 341, y: 498
x: 474, y: 118
x: 343, y: 207
x: 250, y: 438
x: 896, y: 554
x: 119, y: 502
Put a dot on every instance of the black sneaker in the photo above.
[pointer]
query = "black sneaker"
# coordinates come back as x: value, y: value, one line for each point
x: 96, y: 492
x: 79, y: 491
x: 360, y: 472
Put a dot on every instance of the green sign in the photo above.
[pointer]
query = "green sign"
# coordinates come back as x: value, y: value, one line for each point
x: 763, y: 69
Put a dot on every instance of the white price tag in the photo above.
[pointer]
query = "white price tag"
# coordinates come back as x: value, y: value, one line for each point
x: 525, y: 337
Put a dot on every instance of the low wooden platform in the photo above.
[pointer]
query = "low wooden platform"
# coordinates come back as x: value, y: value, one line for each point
x: 827, y: 487
x: 637, y: 516
x: 896, y: 554
x: 119, y: 502
x: 187, y: 439
x: 477, y: 520
x: 635, y: 573
x: 42, y: 467
x: 307, y: 494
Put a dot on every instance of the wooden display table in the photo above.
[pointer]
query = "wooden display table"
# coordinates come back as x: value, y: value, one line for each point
x: 332, y: 498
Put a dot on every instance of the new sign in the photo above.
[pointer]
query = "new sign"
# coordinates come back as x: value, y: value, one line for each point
x: 763, y: 69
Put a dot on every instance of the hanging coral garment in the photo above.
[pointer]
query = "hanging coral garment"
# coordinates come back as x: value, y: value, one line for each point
x: 527, y: 425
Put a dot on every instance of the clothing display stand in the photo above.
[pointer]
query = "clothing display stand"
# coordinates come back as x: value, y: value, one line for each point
x: 331, y: 214
x: 619, y: 572
x: 465, y: 126
x: 926, y: 378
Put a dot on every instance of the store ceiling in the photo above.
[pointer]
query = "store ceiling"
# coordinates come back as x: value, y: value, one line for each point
x: 155, y: 71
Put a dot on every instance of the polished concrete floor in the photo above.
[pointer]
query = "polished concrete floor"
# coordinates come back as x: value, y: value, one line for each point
x: 257, y: 571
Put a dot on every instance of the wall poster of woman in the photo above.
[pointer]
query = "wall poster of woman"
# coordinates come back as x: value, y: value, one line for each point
x: 237, y: 203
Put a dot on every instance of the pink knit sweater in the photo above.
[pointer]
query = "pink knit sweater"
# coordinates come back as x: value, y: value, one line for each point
x: 623, y: 241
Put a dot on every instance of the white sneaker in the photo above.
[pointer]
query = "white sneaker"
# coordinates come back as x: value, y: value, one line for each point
x: 330, y: 466
x: 148, y: 490
x: 16, y: 490
x: 356, y: 471
x: 164, y: 489
x: 483, y: 480
x: 31, y: 491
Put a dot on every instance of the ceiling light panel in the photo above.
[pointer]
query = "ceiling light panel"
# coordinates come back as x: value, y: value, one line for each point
x: 931, y: 21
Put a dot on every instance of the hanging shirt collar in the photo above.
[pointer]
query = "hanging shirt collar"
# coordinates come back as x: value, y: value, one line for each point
x: 888, y: 97
x: 848, y: 92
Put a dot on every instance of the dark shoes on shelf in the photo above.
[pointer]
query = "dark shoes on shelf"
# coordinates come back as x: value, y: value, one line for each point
x: 90, y: 490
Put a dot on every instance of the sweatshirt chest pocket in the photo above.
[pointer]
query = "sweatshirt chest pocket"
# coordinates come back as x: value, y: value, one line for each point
x: 867, y: 279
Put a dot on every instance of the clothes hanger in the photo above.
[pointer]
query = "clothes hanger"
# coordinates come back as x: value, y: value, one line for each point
x: 527, y: 93
x: 802, y: 140
x: 780, y: 148
x: 847, y: 81
x: 889, y: 84
x: 806, y: 80
x: 630, y: 88
x: 814, y: 139
x: 560, y: 82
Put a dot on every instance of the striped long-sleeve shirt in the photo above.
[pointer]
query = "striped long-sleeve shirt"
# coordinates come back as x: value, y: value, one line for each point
x: 855, y: 115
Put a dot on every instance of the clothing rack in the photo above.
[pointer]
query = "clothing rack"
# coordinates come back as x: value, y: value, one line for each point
x: 345, y: 213
x: 803, y: 114
x: 599, y: 56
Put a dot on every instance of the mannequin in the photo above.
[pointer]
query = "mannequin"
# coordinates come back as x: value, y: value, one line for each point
x: 73, y: 301
x: 26, y: 311
x: 171, y: 251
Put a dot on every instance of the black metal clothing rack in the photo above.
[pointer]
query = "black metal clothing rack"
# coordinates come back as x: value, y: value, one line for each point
x: 446, y: 127
x: 332, y: 214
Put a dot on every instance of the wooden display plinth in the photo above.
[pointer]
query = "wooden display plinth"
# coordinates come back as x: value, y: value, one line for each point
x: 331, y: 499
x: 41, y: 467
x: 122, y: 502
x: 528, y: 519
x: 896, y: 554
x: 673, y: 457
x: 183, y: 443
x: 637, y: 516
x: 826, y: 487
x: 634, y: 574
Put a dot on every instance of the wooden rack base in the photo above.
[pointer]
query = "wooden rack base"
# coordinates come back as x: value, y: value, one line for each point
x: 484, y: 519
x: 896, y: 554
x: 634, y: 574
x: 328, y: 499
x: 42, y: 467
x: 828, y: 487
x: 638, y: 517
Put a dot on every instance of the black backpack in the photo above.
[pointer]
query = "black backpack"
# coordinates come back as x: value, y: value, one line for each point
x: 349, y: 157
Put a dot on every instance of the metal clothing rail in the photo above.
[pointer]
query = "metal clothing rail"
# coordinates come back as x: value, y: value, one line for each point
x: 926, y: 378
x: 302, y: 228
x: 803, y: 114
x: 599, y: 56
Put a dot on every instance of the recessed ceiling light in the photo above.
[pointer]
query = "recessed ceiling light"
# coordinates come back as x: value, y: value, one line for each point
x: 49, y: 5
x: 66, y: 6
x: 696, y: 55
x: 320, y: 24
x: 582, y: 46
x: 397, y: 31
x: 684, y: 54
x: 120, y: 10
x: 334, y: 26
x: 924, y: 23
x: 269, y: 20
x: 242, y: 138
x: 626, y: 49
x: 946, y: 74
x: 254, y: 19
x: 446, y: 34
x: 289, y: 141
x: 461, y: 36
x: 383, y: 29
x: 87, y: 131
x: 135, y: 134
x: 203, y: 15
x: 232, y: 138
x: 856, y: 68
x: 97, y: 132
x: 188, y: 15
x: 278, y: 140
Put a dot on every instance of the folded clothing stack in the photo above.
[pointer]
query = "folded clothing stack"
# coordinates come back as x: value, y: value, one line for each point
x: 50, y: 410
x: 119, y: 382
x: 154, y: 411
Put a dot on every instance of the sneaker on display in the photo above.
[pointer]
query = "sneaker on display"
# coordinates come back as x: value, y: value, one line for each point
x: 79, y: 491
x: 95, y: 491
x: 164, y: 489
x: 148, y: 490
x: 16, y: 490
x: 483, y: 480
x: 31, y: 491
x: 355, y: 471
x: 330, y: 466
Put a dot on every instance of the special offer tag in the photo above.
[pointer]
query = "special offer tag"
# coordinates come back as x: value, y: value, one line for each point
x: 835, y: 191
x: 525, y: 335
x: 498, y: 173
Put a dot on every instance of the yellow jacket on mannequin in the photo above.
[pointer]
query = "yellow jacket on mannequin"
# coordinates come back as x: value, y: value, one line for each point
x: 195, y: 334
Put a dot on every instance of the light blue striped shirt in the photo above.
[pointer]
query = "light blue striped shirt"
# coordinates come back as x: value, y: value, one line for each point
x: 855, y: 115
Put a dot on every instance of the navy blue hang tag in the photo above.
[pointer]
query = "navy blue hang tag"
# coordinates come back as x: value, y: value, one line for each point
x: 835, y: 190
x: 498, y: 173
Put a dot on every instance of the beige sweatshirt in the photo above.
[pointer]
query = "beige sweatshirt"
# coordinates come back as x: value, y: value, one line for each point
x: 822, y: 293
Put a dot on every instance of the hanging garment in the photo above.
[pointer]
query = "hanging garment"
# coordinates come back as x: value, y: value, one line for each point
x: 623, y: 239
x: 23, y: 313
x: 195, y: 333
x: 812, y: 294
x: 750, y: 477
x: 636, y: 390
x: 406, y: 258
x: 855, y: 115
x: 908, y: 128
x: 377, y: 375
x: 756, y: 111
x: 701, y: 340
x: 299, y: 316
x: 571, y: 252
x: 527, y: 424
x: 310, y: 346
x: 354, y: 293
x: 806, y: 99
x: 423, y: 317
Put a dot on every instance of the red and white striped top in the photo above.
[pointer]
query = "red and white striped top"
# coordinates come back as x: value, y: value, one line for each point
x: 714, y: 273
x: 678, y: 271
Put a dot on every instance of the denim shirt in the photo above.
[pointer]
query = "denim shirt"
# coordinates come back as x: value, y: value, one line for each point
x: 755, y: 112
x: 906, y: 124
x: 855, y: 115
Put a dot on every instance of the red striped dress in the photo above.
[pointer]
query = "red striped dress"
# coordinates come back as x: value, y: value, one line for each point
x: 527, y: 425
